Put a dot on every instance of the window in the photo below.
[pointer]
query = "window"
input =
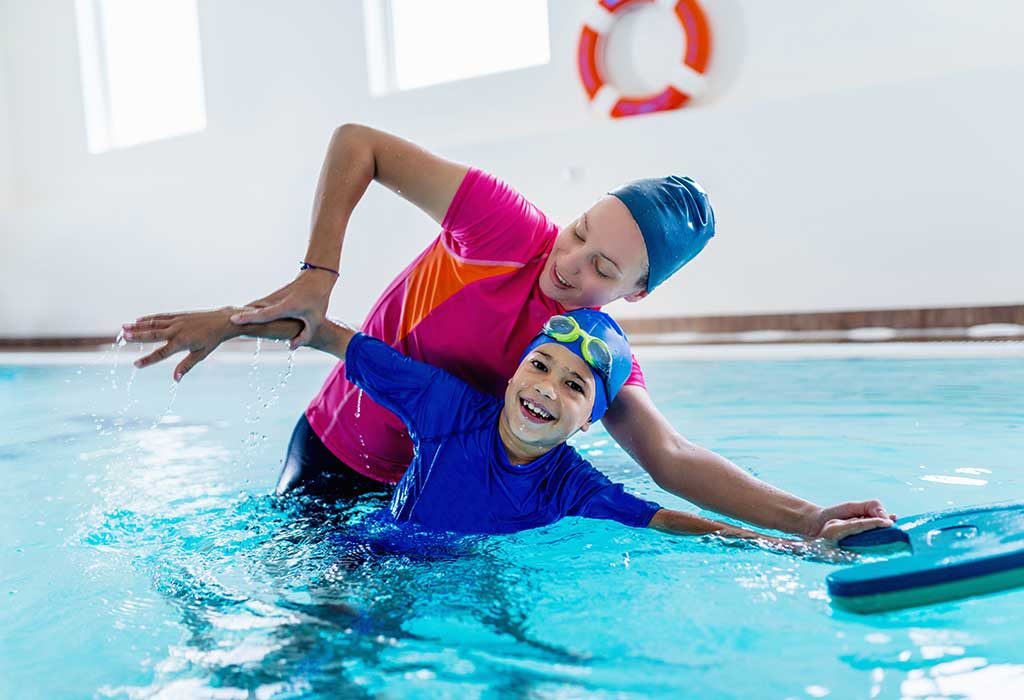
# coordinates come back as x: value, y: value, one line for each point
x: 414, y: 43
x: 142, y: 76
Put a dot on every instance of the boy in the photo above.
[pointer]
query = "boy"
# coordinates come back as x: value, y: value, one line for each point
x: 483, y: 465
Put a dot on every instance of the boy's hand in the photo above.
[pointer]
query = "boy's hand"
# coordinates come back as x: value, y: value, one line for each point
x: 837, y: 522
x: 199, y: 332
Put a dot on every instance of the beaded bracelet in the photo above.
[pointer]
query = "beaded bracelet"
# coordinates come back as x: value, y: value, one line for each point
x: 310, y: 266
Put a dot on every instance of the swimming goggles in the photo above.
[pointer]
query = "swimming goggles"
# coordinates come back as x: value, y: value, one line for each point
x: 565, y: 329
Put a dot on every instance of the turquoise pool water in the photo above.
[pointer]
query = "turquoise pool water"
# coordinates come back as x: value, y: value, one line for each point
x: 140, y: 554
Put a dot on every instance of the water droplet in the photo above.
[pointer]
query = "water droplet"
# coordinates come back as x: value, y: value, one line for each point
x: 166, y: 415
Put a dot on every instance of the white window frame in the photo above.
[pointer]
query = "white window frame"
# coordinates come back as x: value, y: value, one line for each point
x: 96, y: 95
x: 380, y: 47
x: 382, y: 71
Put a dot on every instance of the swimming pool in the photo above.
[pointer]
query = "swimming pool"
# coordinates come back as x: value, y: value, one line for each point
x: 140, y: 554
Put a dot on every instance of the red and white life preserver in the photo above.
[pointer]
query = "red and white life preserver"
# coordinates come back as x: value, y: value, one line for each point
x: 687, y: 78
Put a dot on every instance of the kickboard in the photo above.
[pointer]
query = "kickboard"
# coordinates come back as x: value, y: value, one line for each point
x: 953, y: 554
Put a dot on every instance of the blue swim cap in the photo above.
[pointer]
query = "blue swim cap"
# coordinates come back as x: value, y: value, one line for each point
x: 675, y: 218
x: 603, y: 326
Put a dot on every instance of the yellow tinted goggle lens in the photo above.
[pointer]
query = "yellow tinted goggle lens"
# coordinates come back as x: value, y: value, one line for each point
x: 596, y: 353
x: 564, y: 329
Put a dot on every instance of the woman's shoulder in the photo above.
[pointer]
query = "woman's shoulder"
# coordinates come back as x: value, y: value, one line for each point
x: 491, y: 220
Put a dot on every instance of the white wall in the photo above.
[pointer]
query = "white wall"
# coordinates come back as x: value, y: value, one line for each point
x: 7, y: 250
x: 859, y: 154
x: 6, y: 156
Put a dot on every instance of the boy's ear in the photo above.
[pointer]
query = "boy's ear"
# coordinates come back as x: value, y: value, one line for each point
x: 636, y: 296
x: 586, y: 426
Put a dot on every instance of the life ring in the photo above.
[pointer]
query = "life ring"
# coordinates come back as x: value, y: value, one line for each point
x: 687, y: 79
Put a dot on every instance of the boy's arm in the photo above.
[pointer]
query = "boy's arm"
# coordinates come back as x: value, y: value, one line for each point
x: 404, y: 386
x: 200, y: 332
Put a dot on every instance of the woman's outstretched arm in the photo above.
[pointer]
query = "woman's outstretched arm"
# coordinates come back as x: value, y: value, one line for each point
x: 713, y: 482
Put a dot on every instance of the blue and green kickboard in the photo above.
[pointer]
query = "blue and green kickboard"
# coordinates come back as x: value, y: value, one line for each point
x: 935, y: 557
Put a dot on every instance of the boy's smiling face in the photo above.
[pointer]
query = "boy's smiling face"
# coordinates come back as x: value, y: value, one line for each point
x: 548, y: 399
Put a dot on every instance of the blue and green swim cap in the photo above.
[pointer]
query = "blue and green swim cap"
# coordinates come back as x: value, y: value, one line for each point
x: 599, y: 325
x: 675, y: 218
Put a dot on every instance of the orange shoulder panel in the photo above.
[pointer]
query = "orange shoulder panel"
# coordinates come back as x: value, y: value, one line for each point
x: 437, y: 277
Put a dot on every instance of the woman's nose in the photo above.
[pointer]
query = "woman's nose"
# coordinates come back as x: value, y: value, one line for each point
x: 573, y: 263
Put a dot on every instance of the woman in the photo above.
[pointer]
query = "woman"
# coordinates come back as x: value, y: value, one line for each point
x: 497, y: 270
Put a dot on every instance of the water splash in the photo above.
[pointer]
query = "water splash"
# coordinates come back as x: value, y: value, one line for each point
x: 131, y: 377
x: 282, y: 381
x: 129, y: 402
x: 165, y: 417
x: 111, y: 355
x: 252, y: 410
x: 119, y: 343
x: 262, y: 402
x: 110, y: 381
x: 359, y: 433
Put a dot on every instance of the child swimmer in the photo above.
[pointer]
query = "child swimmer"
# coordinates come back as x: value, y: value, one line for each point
x: 484, y: 466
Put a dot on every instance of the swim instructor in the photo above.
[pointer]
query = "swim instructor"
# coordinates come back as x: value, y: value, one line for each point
x: 471, y: 302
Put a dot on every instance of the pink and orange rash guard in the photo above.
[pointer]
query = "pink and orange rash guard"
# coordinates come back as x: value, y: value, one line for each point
x: 469, y: 304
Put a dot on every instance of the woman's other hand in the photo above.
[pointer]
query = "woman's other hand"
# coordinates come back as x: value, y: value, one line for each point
x: 305, y: 299
x: 837, y: 522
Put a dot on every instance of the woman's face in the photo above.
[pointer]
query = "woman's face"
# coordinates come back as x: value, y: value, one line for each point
x: 598, y: 258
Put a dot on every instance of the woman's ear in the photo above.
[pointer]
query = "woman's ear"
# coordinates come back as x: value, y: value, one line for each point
x: 636, y: 296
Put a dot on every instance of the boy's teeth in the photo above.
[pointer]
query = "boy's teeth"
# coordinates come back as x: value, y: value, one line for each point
x: 536, y: 410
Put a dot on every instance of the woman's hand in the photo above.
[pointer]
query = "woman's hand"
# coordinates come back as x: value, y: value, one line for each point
x: 199, y: 332
x: 845, y: 519
x: 305, y: 299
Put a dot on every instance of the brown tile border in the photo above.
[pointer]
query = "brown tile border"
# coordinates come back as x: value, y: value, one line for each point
x: 738, y: 339
x: 950, y: 317
x: 85, y: 343
x: 55, y: 344
x: 906, y: 325
x: 909, y: 325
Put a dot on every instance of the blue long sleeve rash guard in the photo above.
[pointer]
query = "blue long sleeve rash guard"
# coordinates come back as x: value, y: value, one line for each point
x: 460, y: 478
